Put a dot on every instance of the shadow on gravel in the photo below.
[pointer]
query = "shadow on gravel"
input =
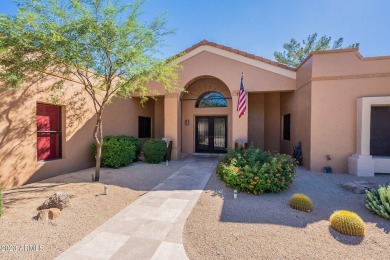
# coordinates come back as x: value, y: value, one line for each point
x: 139, y: 176
x: 142, y: 176
x: 16, y: 196
x: 272, y: 208
x: 347, y: 240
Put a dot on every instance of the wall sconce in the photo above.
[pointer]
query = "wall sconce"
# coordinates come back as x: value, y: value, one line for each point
x: 187, y: 122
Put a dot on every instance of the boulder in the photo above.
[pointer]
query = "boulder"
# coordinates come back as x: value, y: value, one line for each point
x: 46, y: 214
x: 359, y: 187
x: 54, y: 213
x: 59, y: 200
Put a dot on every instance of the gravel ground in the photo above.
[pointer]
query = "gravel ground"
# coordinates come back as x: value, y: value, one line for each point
x: 88, y: 210
x: 265, y: 227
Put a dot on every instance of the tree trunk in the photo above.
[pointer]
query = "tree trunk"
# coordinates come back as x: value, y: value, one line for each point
x: 98, y: 136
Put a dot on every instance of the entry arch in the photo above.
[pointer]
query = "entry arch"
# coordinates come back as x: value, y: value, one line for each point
x: 195, y: 90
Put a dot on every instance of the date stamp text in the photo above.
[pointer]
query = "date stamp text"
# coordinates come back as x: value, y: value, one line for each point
x: 22, y: 248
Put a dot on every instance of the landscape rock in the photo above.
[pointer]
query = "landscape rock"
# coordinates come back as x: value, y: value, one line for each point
x: 43, y: 215
x: 46, y: 214
x: 59, y: 200
x: 359, y: 187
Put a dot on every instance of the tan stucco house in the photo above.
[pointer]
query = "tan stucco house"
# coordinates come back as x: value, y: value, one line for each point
x: 336, y: 103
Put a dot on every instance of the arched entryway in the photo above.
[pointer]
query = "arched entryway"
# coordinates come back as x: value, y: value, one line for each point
x: 206, y: 110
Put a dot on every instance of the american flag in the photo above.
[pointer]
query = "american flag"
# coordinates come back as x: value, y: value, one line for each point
x: 241, y: 105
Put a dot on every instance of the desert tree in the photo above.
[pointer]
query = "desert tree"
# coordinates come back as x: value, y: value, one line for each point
x: 102, y: 44
x: 296, y: 52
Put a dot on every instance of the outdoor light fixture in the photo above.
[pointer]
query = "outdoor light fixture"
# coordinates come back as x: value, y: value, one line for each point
x: 187, y: 122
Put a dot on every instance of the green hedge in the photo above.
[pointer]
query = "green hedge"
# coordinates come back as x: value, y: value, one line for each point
x: 117, y: 151
x: 154, y: 150
x: 137, y: 144
x: 254, y: 171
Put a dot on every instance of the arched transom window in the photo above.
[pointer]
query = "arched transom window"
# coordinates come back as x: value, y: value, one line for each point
x: 211, y: 99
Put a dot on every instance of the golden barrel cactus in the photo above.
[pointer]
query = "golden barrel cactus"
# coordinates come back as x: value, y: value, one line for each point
x: 347, y: 223
x: 301, y: 202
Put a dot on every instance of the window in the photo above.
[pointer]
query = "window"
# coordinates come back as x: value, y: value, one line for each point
x: 380, y: 131
x: 286, y: 127
x: 49, y: 134
x: 211, y: 99
x: 144, y: 127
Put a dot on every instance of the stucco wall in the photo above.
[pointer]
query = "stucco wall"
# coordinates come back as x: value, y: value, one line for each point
x: 256, y: 118
x: 304, y: 73
x: 272, y: 121
x: 347, y: 62
x: 298, y: 104
x: 287, y: 106
x: 159, y: 117
x: 334, y: 115
x: 18, y: 155
x: 172, y: 127
x: 120, y: 117
x: 338, y: 80
x: 265, y: 120
x: 229, y: 71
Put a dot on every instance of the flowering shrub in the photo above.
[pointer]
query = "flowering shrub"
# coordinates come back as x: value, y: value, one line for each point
x: 255, y: 171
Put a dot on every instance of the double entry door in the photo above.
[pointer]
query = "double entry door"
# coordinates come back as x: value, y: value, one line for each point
x: 210, y: 134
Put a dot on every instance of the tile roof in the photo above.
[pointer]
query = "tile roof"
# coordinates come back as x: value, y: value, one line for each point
x: 242, y: 53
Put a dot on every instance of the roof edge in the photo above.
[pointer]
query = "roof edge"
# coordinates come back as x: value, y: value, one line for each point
x: 327, y: 52
x: 355, y: 50
x: 236, y: 51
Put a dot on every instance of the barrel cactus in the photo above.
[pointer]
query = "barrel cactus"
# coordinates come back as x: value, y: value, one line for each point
x: 347, y: 223
x: 301, y: 202
x: 378, y: 201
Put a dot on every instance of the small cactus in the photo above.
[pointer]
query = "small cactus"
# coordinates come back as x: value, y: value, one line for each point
x: 378, y: 201
x: 301, y: 202
x: 347, y: 223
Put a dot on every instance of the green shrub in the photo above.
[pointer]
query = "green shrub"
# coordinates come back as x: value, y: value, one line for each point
x: 347, y: 223
x: 378, y: 201
x: 154, y: 150
x: 137, y: 144
x: 301, y: 202
x: 117, y: 151
x: 254, y: 171
x: 1, y: 202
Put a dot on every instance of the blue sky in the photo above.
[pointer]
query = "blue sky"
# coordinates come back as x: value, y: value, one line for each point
x: 261, y: 27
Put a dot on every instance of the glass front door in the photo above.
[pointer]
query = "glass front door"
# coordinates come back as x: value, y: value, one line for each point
x: 211, y: 134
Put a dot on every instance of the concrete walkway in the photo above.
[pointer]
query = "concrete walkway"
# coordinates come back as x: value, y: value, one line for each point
x: 152, y: 226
